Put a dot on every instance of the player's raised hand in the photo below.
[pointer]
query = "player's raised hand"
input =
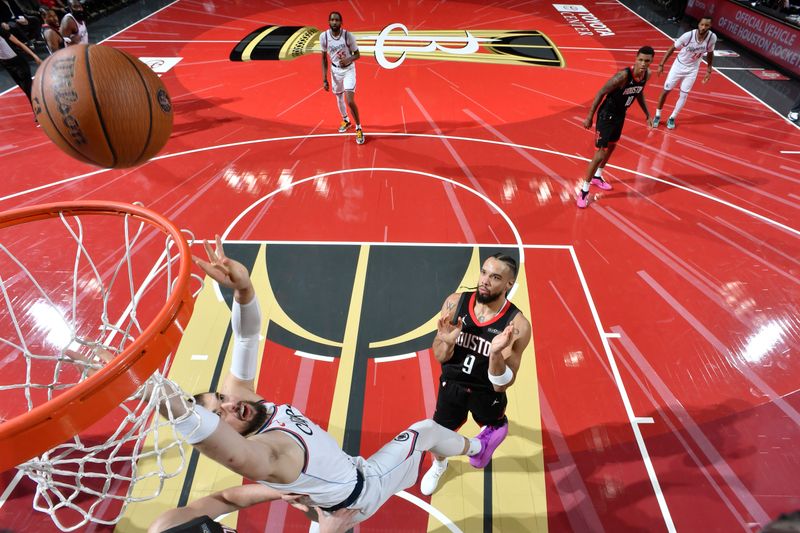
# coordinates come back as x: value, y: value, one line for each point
x: 223, y: 270
x: 502, y: 341
x: 447, y: 331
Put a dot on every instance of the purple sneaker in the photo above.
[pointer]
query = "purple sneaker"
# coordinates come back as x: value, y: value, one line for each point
x: 490, y: 439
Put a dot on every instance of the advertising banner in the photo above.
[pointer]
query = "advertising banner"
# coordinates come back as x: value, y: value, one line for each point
x: 776, y: 41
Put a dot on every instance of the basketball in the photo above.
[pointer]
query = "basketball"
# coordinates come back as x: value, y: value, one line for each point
x: 102, y: 106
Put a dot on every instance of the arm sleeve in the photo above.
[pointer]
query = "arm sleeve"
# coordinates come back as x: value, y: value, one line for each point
x: 246, y: 323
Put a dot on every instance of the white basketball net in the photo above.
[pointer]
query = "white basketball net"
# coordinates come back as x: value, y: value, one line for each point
x: 88, y: 287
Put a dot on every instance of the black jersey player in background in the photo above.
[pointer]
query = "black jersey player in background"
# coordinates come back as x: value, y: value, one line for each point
x: 480, y: 340
x: 616, y: 95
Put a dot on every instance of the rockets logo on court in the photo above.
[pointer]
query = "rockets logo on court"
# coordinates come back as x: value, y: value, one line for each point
x: 582, y: 20
x: 395, y: 44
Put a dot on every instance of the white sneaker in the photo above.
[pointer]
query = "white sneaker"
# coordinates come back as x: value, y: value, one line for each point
x: 431, y: 478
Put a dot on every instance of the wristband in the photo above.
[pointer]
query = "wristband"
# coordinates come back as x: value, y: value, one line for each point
x: 193, y: 430
x: 503, y: 379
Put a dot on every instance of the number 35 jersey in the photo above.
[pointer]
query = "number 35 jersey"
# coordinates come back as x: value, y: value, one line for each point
x: 470, y: 362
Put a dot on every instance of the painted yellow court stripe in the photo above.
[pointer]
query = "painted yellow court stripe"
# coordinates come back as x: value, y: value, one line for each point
x: 344, y: 376
x: 204, y: 336
x: 252, y: 44
x: 518, y: 487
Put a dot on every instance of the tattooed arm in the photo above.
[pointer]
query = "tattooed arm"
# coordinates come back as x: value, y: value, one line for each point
x: 446, y: 332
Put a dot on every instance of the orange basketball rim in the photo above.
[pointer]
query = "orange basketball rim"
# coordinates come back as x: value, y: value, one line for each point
x: 50, y: 424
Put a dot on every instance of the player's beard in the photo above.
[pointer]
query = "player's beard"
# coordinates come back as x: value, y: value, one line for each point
x: 259, y: 418
x: 489, y: 298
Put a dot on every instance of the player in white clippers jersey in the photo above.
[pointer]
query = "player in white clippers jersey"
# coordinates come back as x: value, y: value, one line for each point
x: 73, y: 25
x: 340, y: 48
x: 691, y: 46
x: 283, y: 451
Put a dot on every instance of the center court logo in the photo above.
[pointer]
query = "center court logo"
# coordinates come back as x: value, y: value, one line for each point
x: 582, y: 20
x: 395, y: 44
x: 421, y: 44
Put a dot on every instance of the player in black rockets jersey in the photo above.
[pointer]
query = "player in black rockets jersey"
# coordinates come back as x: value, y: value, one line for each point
x: 616, y: 95
x: 480, y: 340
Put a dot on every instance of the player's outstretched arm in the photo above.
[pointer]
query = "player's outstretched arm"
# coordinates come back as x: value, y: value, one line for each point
x: 245, y: 320
x: 217, y: 504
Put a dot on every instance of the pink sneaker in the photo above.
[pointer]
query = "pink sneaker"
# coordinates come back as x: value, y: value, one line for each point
x: 606, y: 186
x: 490, y: 439
x: 583, y: 203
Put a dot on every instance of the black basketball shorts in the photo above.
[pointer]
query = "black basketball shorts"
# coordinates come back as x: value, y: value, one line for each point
x: 456, y: 400
x: 609, y: 130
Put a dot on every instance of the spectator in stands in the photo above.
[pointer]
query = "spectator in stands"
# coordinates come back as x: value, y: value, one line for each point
x: 56, y: 5
x: 73, y: 25
x: 24, y: 26
x: 678, y: 10
x: 16, y: 65
x: 51, y: 31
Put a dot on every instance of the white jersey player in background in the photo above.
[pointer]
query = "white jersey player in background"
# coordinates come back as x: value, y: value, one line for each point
x: 285, y: 453
x: 340, y: 48
x: 691, y: 46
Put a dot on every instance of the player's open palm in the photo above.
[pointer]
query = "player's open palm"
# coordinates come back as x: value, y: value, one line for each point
x: 222, y: 269
x: 447, y: 331
x: 502, y: 341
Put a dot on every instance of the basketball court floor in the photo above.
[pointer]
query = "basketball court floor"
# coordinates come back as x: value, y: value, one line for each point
x: 660, y: 392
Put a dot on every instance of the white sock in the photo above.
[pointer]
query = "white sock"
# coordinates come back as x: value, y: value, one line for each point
x: 658, y: 113
x: 440, y: 465
x: 474, y: 447
x: 358, y: 126
x: 585, y: 186
x: 598, y: 173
